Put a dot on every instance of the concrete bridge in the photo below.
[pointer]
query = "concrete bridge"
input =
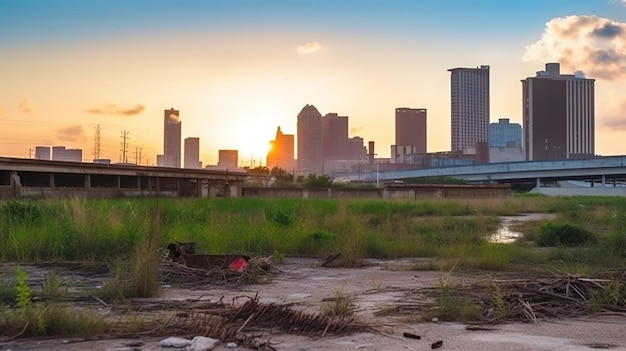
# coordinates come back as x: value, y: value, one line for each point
x: 608, y: 173
x: 40, y: 178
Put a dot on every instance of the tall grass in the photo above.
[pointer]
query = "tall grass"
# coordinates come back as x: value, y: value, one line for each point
x: 107, y: 230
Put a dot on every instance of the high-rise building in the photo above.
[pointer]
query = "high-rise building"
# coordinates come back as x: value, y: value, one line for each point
x: 228, y: 159
x: 505, y: 134
x: 192, y: 153
x: 469, y: 95
x: 281, y: 154
x: 310, y: 142
x: 60, y: 153
x: 42, y: 153
x: 558, y: 115
x: 411, y: 128
x: 171, y: 139
x: 335, y: 136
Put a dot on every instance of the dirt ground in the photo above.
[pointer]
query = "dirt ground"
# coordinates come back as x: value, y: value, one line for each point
x: 303, y: 284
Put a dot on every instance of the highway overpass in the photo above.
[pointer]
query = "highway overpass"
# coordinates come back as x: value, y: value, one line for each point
x: 603, y: 171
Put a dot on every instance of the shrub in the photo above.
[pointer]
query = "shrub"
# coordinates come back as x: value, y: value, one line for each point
x: 564, y: 234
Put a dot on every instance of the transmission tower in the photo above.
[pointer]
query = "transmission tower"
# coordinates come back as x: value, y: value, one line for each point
x: 96, y: 143
x: 124, y: 143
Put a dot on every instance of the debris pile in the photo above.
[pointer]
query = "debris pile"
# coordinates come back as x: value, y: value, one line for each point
x: 182, y: 267
x: 530, y: 300
x: 250, y: 323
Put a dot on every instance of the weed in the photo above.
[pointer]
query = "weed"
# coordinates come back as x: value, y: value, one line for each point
x: 342, y: 305
x: 279, y: 257
x: 455, y: 308
x: 53, y: 286
x: 614, y: 294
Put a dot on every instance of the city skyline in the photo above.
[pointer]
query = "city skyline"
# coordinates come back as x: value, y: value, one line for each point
x: 238, y: 69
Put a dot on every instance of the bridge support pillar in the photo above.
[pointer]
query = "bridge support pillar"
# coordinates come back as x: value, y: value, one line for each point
x: 538, y: 183
x: 603, y: 180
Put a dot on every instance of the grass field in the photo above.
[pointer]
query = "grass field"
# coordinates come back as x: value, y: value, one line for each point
x: 585, y: 235
x: 444, y: 229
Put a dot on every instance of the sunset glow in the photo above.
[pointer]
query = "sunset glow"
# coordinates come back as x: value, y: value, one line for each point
x: 237, y: 70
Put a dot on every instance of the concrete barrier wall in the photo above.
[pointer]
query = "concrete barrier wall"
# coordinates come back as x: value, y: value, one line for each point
x: 6, y: 192
x: 595, y: 191
x: 408, y: 193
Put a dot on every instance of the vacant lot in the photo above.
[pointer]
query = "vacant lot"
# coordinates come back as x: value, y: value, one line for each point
x: 380, y: 285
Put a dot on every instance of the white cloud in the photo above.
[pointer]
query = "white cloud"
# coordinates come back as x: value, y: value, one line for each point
x: 309, y: 47
x: 591, y: 44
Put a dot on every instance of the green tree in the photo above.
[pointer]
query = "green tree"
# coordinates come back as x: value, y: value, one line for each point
x: 318, y: 181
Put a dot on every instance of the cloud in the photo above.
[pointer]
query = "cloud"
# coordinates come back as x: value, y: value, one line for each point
x: 355, y: 130
x: 25, y: 106
x: 309, y: 47
x: 591, y: 44
x: 73, y: 134
x: 616, y: 119
x: 112, y: 109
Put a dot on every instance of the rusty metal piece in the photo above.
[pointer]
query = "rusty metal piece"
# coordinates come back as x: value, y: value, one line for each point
x: 184, y: 253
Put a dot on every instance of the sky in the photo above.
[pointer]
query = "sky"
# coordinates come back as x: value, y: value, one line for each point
x: 238, y: 69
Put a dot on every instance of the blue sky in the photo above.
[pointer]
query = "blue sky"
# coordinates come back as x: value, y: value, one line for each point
x: 234, y: 70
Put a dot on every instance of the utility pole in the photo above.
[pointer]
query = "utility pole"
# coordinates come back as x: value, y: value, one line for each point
x: 124, y: 143
x: 30, y: 153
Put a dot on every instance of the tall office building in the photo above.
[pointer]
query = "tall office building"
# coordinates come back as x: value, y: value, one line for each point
x: 228, y: 159
x: 281, y: 154
x: 171, y: 139
x: 310, y: 142
x: 42, y: 153
x: 469, y: 94
x: 411, y: 128
x: 505, y: 134
x: 192, y: 153
x: 334, y: 136
x: 559, y: 116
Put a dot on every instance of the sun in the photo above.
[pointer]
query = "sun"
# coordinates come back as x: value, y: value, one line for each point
x: 253, y: 144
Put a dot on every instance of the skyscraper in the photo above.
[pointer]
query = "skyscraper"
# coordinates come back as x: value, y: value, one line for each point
x: 411, y: 128
x: 192, y: 153
x: 310, y: 157
x: 558, y: 115
x: 228, y: 159
x: 469, y: 95
x: 171, y: 138
x: 42, y: 153
x: 281, y: 154
x: 505, y: 134
x: 335, y: 136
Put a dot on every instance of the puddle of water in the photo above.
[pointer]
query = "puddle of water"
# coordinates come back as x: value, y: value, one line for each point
x: 506, y: 235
